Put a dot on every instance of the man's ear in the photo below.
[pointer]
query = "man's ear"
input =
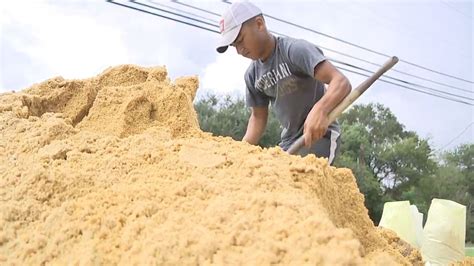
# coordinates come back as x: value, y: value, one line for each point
x: 260, y: 22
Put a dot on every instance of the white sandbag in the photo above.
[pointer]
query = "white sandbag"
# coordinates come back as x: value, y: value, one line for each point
x: 397, y: 216
x: 444, y: 232
x: 418, y: 223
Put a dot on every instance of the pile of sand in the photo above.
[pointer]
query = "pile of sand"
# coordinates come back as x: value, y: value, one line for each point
x: 408, y: 251
x: 114, y: 169
x: 467, y: 261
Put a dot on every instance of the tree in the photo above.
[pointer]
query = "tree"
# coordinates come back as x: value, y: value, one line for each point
x: 454, y: 181
x: 386, y: 159
x: 229, y: 117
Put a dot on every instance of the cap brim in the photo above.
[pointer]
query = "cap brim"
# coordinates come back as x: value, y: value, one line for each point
x: 228, y: 38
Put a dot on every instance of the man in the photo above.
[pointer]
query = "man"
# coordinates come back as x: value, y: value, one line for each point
x: 290, y: 73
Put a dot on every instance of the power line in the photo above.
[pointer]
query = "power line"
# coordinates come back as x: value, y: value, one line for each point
x: 456, y: 9
x: 396, y: 79
x: 180, y: 10
x: 398, y: 71
x: 154, y: 14
x: 215, y: 31
x: 335, y: 51
x: 399, y: 80
x: 403, y: 81
x: 356, y: 45
x: 173, y: 13
x: 409, y: 88
x: 455, y: 138
x: 195, y: 7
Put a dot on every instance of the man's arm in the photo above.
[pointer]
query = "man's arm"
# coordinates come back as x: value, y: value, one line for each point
x: 317, y: 122
x: 256, y: 126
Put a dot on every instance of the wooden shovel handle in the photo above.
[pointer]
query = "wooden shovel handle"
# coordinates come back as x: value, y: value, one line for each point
x: 299, y: 143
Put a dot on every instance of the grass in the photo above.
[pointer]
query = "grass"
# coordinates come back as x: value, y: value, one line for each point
x: 470, y: 251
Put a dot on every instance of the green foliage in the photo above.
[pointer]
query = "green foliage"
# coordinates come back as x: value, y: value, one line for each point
x: 454, y: 180
x: 389, y: 160
x: 229, y: 117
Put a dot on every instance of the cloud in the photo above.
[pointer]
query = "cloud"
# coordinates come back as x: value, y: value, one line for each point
x: 69, y: 44
x: 226, y: 74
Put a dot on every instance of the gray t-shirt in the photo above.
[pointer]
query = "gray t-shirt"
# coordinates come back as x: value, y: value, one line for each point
x: 286, y: 79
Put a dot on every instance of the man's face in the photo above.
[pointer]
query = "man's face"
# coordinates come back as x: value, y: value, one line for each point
x: 248, y: 43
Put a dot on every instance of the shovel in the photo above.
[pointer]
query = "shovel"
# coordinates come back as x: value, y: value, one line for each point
x: 299, y: 143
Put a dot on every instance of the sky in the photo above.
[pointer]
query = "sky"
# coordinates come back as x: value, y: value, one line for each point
x: 79, y: 39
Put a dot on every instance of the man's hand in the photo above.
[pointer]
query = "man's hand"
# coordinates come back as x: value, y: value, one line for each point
x: 315, y: 126
x: 317, y: 121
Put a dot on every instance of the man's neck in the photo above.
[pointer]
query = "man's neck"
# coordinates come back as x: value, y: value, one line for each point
x: 269, y: 47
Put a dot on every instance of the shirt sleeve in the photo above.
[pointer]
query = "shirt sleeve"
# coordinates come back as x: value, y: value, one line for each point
x: 254, y: 97
x: 305, y: 56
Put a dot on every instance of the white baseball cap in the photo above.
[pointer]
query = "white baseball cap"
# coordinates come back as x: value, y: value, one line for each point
x: 232, y: 20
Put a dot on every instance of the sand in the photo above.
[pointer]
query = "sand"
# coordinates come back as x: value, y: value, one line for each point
x: 408, y: 251
x: 468, y: 261
x: 115, y: 170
